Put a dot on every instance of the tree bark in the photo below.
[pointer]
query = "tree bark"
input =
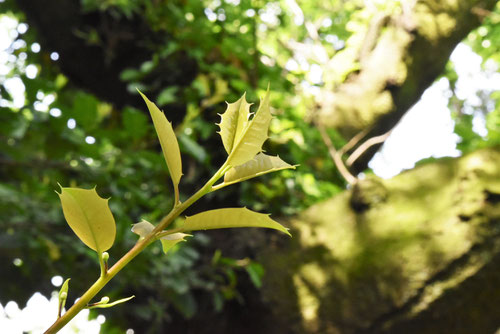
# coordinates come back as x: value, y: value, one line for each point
x: 418, y: 253
x: 400, y: 57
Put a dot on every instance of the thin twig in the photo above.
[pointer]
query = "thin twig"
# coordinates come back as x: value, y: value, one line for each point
x: 482, y: 13
x: 365, y: 146
x: 354, y: 140
x: 312, y: 31
x: 337, y: 157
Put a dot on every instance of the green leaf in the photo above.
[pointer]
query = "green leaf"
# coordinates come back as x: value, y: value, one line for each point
x: 63, y: 296
x: 167, y: 95
x: 84, y: 110
x: 256, y: 272
x: 171, y: 240
x: 130, y: 74
x: 105, y: 304
x: 230, y: 217
x: 64, y: 289
x: 168, y: 142
x: 261, y: 164
x: 243, y: 138
x: 192, y: 148
x: 89, y: 217
x: 135, y: 123
x: 143, y: 228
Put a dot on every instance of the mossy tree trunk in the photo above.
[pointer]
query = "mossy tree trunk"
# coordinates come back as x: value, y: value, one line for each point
x: 418, y: 253
x: 414, y: 254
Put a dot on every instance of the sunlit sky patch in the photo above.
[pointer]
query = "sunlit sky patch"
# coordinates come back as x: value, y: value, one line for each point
x: 427, y: 128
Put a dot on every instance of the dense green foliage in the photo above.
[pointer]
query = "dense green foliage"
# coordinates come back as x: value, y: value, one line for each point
x: 485, y: 107
x: 62, y: 132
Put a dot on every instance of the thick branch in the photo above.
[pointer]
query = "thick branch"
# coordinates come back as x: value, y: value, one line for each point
x: 415, y: 254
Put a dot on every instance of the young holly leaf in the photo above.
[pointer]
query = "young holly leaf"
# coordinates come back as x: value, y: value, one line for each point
x: 261, y: 164
x: 168, y: 142
x: 63, y: 295
x: 143, y: 228
x: 89, y: 217
x: 169, y: 241
x: 104, y: 303
x: 233, y: 122
x: 230, y: 217
x: 243, y: 138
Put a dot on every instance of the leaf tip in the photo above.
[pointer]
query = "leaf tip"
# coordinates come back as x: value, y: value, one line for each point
x: 144, y: 97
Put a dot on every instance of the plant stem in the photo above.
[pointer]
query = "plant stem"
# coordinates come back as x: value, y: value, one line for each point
x: 101, y: 264
x: 132, y: 253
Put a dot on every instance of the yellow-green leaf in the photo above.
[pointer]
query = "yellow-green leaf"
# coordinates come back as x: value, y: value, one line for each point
x: 143, y: 228
x: 248, y: 142
x: 261, y: 164
x: 171, y: 240
x: 168, y: 142
x: 107, y: 304
x: 230, y: 217
x: 233, y: 122
x: 63, y: 295
x: 89, y: 217
x: 64, y: 289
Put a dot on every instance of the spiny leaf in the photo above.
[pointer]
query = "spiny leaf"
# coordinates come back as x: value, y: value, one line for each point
x: 254, y: 135
x: 233, y: 122
x: 143, y: 228
x: 168, y: 142
x: 89, y: 217
x: 261, y: 164
x: 230, y: 217
x: 171, y: 240
x: 246, y: 136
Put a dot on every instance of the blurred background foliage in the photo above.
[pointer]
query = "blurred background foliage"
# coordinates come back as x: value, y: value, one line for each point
x: 54, y: 129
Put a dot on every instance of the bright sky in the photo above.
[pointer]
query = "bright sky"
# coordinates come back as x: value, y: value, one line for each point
x: 39, y: 313
x: 425, y: 131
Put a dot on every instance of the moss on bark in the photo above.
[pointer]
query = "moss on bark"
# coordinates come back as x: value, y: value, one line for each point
x: 387, y: 252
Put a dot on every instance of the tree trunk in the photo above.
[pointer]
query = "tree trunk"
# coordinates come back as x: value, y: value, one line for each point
x: 418, y: 253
